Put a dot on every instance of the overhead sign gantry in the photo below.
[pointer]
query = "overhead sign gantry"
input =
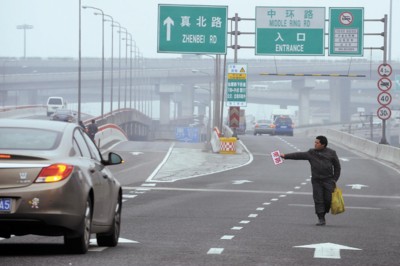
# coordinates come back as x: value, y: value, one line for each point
x: 290, y: 31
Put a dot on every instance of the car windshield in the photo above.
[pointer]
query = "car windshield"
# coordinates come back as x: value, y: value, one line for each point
x: 55, y: 101
x: 28, y: 139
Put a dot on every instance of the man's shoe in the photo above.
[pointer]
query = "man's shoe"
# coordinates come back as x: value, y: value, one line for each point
x: 321, y: 222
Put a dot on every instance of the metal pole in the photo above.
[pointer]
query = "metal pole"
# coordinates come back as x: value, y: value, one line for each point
x: 80, y: 63
x: 126, y: 65
x: 24, y: 27
x: 236, y: 37
x: 102, y: 55
x: 383, y: 139
x: 112, y: 62
x: 119, y: 64
x: 390, y: 32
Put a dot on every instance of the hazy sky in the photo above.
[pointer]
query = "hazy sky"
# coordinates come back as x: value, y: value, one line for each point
x: 55, y: 24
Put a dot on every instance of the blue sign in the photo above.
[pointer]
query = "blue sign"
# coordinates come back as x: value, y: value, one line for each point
x: 187, y: 134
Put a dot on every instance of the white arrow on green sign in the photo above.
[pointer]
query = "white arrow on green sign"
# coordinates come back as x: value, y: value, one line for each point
x: 192, y: 29
x: 290, y: 30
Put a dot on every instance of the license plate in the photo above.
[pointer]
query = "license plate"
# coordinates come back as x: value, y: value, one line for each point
x: 283, y: 126
x: 5, y: 204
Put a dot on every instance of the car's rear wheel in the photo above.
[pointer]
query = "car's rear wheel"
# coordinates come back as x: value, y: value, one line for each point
x: 79, y: 244
x: 110, y: 239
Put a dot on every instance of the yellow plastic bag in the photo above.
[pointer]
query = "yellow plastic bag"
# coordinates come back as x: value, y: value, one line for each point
x: 337, y: 205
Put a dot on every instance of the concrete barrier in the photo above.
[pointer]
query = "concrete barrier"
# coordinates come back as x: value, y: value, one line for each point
x: 109, y: 133
x: 378, y: 151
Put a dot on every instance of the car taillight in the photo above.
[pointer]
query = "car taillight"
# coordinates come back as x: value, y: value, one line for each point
x: 54, y: 173
x: 256, y: 126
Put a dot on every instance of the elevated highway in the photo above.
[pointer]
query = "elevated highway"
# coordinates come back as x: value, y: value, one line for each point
x: 32, y: 81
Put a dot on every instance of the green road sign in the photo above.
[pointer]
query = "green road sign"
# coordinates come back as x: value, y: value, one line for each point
x: 346, y: 31
x: 236, y: 89
x: 290, y: 30
x: 192, y: 29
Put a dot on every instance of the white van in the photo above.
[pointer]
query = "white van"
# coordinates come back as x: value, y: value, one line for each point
x: 54, y: 103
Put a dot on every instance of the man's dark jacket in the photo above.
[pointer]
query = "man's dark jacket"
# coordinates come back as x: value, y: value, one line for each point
x: 324, y: 163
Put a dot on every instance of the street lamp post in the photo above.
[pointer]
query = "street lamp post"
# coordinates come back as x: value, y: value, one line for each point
x: 119, y: 62
x: 112, y: 61
x: 130, y: 69
x: 126, y: 64
x: 24, y: 27
x: 102, y: 55
x: 79, y: 61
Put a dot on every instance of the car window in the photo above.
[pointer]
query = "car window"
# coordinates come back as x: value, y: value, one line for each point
x: 283, y: 120
x: 28, y: 139
x: 93, y: 149
x: 81, y: 144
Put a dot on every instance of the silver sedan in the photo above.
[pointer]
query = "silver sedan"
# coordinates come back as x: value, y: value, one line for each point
x: 54, y: 182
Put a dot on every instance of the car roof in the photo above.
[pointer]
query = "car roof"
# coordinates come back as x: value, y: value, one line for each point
x: 37, y: 123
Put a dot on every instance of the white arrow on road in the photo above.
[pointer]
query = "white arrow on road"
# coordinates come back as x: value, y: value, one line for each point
x: 120, y: 240
x: 168, y: 21
x: 327, y: 250
x: 356, y: 186
x: 239, y: 182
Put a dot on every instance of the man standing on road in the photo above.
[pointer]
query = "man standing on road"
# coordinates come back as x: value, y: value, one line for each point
x: 92, y: 129
x: 325, y: 172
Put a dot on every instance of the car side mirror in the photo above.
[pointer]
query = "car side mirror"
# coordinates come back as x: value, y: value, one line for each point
x: 114, y: 158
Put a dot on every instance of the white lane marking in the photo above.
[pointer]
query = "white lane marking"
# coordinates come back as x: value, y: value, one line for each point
x: 289, y: 192
x: 148, y: 185
x: 227, y: 237
x: 125, y: 196
x: 164, y: 161
x: 282, y: 196
x: 260, y: 209
x: 244, y: 222
x: 215, y: 251
x: 304, y: 183
x: 274, y: 199
x: 356, y: 186
x: 259, y: 192
x: 266, y: 203
x: 142, y: 189
x: 327, y: 250
x: 93, y: 244
x: 97, y: 249
x: 136, y: 153
x: 253, y: 215
x: 237, y: 228
x: 297, y: 187
x: 240, y: 182
x: 347, y: 207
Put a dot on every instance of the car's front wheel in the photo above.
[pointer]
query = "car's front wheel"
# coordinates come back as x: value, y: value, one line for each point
x: 110, y: 239
x: 79, y: 244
